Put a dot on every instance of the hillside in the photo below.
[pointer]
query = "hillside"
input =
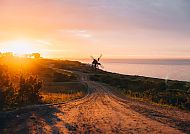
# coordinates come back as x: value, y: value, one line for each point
x: 106, y: 106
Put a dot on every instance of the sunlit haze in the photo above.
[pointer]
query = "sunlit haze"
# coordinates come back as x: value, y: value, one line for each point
x: 18, y: 47
x: 80, y: 28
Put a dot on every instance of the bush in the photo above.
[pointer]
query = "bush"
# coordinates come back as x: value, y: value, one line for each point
x: 28, y: 91
x: 64, y: 77
x: 6, y: 88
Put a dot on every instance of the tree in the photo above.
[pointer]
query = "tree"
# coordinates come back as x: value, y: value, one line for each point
x: 36, y: 55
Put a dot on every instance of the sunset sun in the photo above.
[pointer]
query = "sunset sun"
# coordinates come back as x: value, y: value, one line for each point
x: 19, y: 47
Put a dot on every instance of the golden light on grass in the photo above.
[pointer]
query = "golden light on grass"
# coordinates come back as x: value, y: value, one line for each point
x: 59, y: 97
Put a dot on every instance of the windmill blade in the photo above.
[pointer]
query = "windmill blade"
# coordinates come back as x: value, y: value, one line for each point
x: 100, y: 57
x: 92, y: 57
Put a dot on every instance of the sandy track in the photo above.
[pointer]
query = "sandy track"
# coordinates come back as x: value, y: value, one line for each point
x: 99, y: 112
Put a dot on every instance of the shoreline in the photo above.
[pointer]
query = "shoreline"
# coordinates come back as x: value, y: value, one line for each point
x: 167, y: 72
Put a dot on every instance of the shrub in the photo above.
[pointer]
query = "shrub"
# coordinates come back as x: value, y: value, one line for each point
x: 29, y: 91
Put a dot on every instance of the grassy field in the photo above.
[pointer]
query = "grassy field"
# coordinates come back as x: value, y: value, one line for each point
x: 33, y: 81
x: 56, y: 92
x: 170, y: 92
x: 160, y: 91
x: 60, y: 87
x: 57, y: 86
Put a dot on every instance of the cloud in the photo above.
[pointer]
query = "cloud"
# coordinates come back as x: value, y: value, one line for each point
x: 54, y: 50
x: 163, y: 15
x: 81, y: 33
x: 43, y: 42
x: 84, y: 34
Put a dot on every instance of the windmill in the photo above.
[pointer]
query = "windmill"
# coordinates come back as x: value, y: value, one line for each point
x: 96, y: 63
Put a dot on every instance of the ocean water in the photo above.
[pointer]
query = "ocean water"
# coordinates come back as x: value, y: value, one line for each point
x: 166, y: 69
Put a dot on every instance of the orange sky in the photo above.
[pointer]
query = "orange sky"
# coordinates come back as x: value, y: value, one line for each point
x: 80, y: 28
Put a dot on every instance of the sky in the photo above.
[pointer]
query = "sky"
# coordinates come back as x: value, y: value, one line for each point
x: 81, y: 28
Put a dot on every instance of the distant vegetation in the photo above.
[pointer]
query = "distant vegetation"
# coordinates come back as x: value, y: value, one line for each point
x: 75, y: 66
x: 175, y: 93
x: 10, y: 54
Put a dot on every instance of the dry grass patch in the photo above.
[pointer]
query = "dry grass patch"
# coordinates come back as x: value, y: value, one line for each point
x: 58, y: 98
x: 57, y: 92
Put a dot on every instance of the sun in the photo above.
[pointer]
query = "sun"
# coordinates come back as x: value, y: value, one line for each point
x: 19, y: 47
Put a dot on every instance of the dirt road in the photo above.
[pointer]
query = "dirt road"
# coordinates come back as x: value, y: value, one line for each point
x: 98, y: 112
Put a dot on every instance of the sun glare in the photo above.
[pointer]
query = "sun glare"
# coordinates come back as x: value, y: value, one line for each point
x: 19, y: 47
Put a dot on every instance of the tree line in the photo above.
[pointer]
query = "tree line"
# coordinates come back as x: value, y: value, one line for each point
x: 10, y: 54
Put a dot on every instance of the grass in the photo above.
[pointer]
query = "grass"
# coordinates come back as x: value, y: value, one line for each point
x: 57, y: 85
x: 174, y: 93
x: 60, y: 97
x: 61, y: 92
x: 159, y: 91
x: 60, y: 85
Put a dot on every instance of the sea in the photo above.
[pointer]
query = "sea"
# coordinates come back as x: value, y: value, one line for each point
x: 174, y: 69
